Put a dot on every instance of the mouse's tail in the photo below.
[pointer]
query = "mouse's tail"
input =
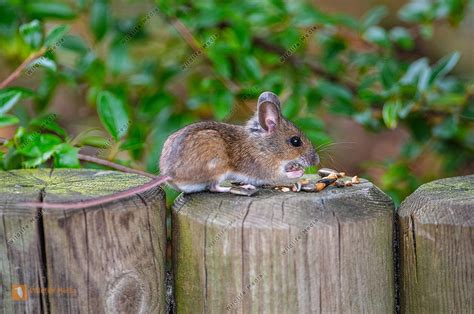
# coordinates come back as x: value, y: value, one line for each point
x: 103, y: 199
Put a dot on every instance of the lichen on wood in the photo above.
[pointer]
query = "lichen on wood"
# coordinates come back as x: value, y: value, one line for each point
x: 284, y: 252
x: 437, y: 247
x: 111, y: 256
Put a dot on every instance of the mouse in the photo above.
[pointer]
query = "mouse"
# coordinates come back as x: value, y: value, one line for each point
x: 267, y: 150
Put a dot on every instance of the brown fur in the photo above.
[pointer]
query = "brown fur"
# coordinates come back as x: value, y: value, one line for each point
x: 247, y: 150
x: 203, y: 154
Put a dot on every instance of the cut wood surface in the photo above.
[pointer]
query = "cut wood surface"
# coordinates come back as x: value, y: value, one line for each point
x: 104, y: 259
x: 437, y: 247
x: 275, y: 252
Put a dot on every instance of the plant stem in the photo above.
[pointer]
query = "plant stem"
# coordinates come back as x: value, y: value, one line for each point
x: 21, y: 67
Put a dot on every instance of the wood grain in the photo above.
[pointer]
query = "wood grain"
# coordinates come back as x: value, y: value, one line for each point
x: 437, y: 247
x: 103, y: 259
x: 284, y: 252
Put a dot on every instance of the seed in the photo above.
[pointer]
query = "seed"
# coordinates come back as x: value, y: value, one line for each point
x: 355, y: 180
x: 308, y: 188
x: 342, y: 174
x: 296, y: 187
x: 331, y: 176
x: 285, y: 189
x: 304, y: 181
x: 320, y: 186
x: 327, y: 180
x: 339, y: 183
x: 348, y: 183
x: 324, y: 172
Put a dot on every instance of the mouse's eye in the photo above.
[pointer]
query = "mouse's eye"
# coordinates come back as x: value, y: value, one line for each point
x: 296, y: 141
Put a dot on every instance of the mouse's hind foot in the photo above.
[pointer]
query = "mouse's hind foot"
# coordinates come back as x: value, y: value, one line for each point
x: 246, y: 190
x: 243, y: 191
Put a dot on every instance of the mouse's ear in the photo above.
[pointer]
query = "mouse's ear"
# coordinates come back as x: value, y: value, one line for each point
x: 268, y: 108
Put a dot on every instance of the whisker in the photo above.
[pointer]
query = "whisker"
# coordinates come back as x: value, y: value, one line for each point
x: 332, y: 164
x: 334, y: 143
x: 325, y: 146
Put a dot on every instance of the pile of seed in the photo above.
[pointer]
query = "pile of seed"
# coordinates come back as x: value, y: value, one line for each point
x: 329, y: 177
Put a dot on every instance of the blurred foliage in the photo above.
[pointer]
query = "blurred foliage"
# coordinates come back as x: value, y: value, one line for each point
x: 318, y: 62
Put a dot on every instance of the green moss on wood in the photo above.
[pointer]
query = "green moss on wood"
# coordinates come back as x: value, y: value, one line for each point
x: 64, y: 184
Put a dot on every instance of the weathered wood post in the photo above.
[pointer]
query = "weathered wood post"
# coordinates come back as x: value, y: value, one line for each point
x: 103, y: 259
x: 281, y: 252
x: 437, y: 247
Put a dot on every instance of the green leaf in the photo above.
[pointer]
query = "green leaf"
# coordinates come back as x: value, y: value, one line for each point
x: 346, y: 20
x: 222, y: 104
x: 405, y: 109
x: 43, y: 62
x: 118, y: 60
x: 99, y: 18
x: 374, y: 16
x: 112, y: 114
x: 291, y: 108
x: 75, y: 43
x: 39, y: 147
x: 31, y: 33
x: 6, y: 120
x: 335, y: 91
x: 416, y: 11
x: 132, y: 144
x: 220, y: 62
x: 414, y: 71
x: 49, y: 123
x: 366, y: 118
x: 424, y: 79
x: 65, y: 156
x: 56, y: 35
x: 309, y: 123
x: 94, y: 141
x: 444, y: 66
x: 446, y: 129
x: 426, y: 31
x: 402, y: 37
x: 377, y: 35
x: 46, y: 89
x: 388, y: 74
x: 8, y: 98
x: 447, y: 100
x: 308, y: 15
x: 50, y: 10
x: 251, y: 66
x: 390, y: 113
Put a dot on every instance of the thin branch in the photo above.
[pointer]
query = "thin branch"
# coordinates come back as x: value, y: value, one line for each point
x: 188, y: 37
x: 103, y: 162
x: 295, y: 61
x: 21, y: 67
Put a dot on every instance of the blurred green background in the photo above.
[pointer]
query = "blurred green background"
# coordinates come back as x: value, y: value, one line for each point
x: 383, y: 89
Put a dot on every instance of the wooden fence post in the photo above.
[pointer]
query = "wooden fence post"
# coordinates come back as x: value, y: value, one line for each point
x: 284, y: 252
x: 103, y: 259
x: 437, y: 247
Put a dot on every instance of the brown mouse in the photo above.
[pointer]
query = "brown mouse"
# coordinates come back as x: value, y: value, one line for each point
x: 267, y: 150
